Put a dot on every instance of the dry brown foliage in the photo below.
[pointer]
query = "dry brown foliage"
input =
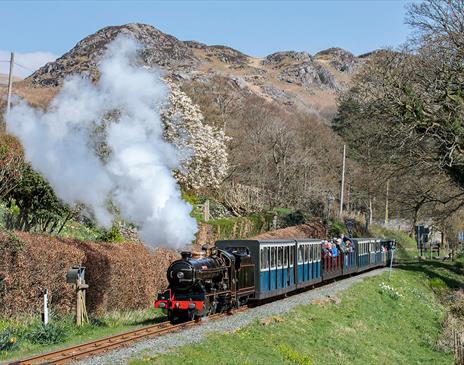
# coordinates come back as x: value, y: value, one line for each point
x: 307, y: 230
x: 121, y: 276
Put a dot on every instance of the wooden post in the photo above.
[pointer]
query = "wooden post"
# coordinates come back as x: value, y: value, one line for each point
x: 206, y: 211
x: 79, y: 308
x: 10, y: 83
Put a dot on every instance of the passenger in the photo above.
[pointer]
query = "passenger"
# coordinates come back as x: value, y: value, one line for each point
x: 341, y: 245
x: 325, y: 250
x: 349, y: 246
x: 334, y: 250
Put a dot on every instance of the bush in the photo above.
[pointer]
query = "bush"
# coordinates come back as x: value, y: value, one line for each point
x: 295, y: 218
x: 111, y: 235
x: 52, y: 333
x: 336, y: 228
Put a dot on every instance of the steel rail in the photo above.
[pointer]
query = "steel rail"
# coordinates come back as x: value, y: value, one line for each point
x: 72, y: 353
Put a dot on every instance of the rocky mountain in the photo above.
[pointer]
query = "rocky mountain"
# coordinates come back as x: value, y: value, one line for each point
x: 290, y: 78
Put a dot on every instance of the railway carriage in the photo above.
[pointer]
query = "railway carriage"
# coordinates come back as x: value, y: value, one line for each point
x: 309, y: 270
x: 284, y: 265
x: 371, y: 252
x: 235, y: 271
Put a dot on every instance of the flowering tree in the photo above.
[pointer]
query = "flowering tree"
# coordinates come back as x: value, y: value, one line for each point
x: 202, y: 148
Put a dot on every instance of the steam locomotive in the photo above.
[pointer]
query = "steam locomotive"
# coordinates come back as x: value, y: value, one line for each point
x: 234, y: 272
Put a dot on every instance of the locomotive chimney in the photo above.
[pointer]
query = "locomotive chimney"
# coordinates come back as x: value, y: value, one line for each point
x: 186, y: 255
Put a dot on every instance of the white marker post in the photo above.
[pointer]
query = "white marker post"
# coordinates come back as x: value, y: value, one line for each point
x: 391, y: 261
x: 45, y: 308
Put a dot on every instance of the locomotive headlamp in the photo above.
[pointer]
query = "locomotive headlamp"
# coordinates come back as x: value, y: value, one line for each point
x: 191, y: 306
x: 180, y: 275
x: 162, y: 305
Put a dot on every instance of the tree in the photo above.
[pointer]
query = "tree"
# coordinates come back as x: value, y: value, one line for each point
x: 33, y: 205
x: 11, y: 163
x: 404, y: 113
x: 202, y: 148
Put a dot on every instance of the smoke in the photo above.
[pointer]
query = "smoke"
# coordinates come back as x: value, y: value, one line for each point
x: 102, y: 145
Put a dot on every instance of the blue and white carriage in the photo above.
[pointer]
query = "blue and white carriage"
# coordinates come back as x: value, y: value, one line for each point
x: 281, y: 266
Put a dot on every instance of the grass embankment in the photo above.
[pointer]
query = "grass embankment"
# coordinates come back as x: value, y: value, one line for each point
x: 386, y: 319
x: 20, y: 338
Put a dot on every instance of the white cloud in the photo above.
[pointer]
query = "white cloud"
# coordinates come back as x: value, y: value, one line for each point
x: 25, y: 63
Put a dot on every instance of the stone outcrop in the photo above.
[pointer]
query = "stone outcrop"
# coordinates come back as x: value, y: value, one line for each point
x: 340, y: 59
x: 159, y: 49
x: 308, y: 74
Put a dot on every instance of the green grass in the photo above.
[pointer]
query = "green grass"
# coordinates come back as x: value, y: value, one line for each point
x: 388, y: 319
x: 27, y: 335
x: 373, y: 324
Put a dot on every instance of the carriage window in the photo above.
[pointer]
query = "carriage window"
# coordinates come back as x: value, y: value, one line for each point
x: 265, y: 258
x: 279, y: 256
x: 292, y: 255
x: 311, y: 253
x: 273, y: 258
x: 286, y: 256
x: 300, y: 254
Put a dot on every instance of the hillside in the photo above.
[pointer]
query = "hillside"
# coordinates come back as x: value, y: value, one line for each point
x: 289, y: 78
x: 4, y: 80
x: 281, y: 104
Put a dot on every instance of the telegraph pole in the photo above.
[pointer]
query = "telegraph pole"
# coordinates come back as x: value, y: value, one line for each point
x: 386, y: 204
x: 343, y: 181
x: 10, y: 83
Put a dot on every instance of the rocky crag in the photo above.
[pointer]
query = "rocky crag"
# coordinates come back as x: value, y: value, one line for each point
x: 289, y: 78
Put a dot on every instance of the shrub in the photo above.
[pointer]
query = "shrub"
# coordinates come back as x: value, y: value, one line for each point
x: 111, y: 235
x: 295, y: 218
x: 48, y: 334
x: 336, y: 228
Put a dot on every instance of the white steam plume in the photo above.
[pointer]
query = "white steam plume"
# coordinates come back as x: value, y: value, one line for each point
x: 136, y: 176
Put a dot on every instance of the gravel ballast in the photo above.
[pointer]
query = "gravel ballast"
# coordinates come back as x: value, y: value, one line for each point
x: 195, y: 334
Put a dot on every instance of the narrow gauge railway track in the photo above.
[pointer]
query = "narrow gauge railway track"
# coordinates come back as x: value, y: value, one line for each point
x: 113, y: 342
x: 90, y: 348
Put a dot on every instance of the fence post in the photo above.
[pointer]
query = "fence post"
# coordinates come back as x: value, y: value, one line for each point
x: 206, y: 211
x: 45, y: 307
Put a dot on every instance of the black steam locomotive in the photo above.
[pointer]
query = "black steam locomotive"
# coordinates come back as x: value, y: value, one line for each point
x: 214, y: 280
x: 234, y: 272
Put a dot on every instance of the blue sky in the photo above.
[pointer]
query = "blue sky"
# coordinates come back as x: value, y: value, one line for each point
x: 257, y: 28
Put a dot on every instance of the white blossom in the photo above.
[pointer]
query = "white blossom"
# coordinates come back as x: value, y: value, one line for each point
x: 202, y: 148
